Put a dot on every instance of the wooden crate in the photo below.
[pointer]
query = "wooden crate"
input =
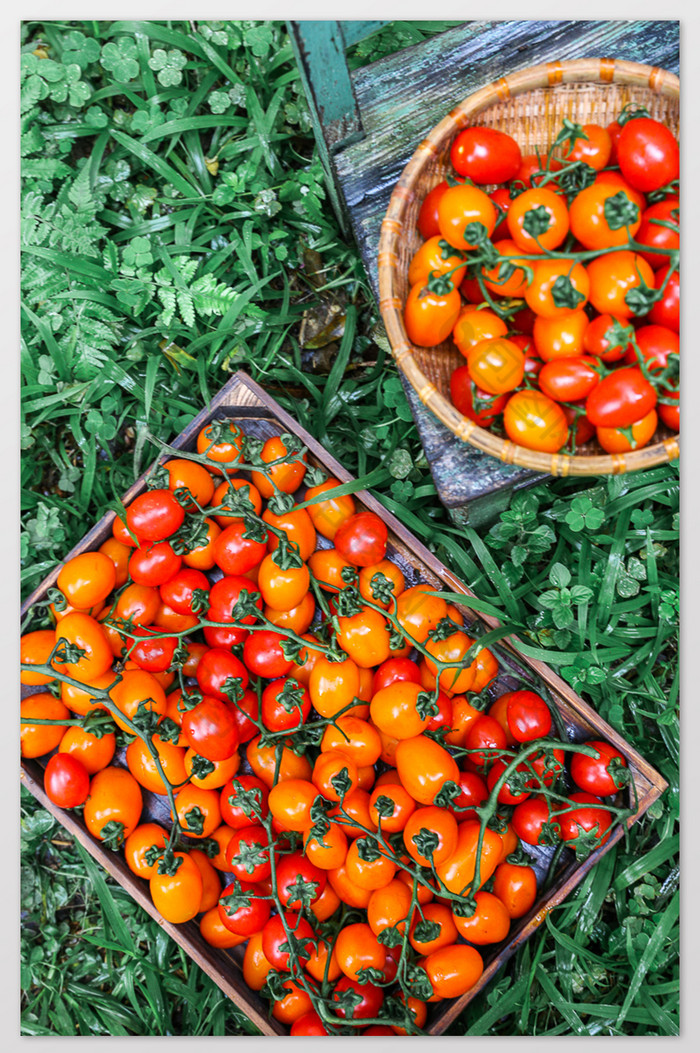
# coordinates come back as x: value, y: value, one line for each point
x: 242, y: 400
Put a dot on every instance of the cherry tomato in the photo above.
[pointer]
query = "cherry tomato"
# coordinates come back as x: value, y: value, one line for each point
x: 235, y: 553
x: 155, y: 652
x: 215, y: 933
x: 538, y: 220
x: 604, y: 215
x: 210, y: 729
x: 436, y: 257
x: 485, y: 155
x: 285, y: 705
x: 613, y: 276
x: 654, y: 233
x: 263, y: 760
x: 527, y: 715
x: 460, y: 207
x: 560, y: 337
x: 202, y: 556
x: 647, y: 153
x: 529, y: 818
x: 362, y: 539
x: 142, y: 764
x: 221, y: 442
x: 216, y: 667
x: 188, y: 475
x: 309, y: 1024
x: 282, y: 589
x: 569, y: 379
x: 87, y: 579
x: 244, y: 912
x: 534, y: 421
x: 666, y: 311
x: 35, y: 649
x: 599, y: 338
x: 475, y: 403
x: 177, y: 897
x: 497, y: 280
x: 243, y: 800
x: 670, y: 412
x: 356, y: 948
x: 594, y: 150
x: 516, y: 887
x: 288, y: 474
x: 557, y: 287
x: 621, y: 398
x: 66, y: 780
x: 584, y: 819
x: 656, y: 343
x: 534, y: 170
x: 474, y: 325
x: 93, y: 753
x: 223, y: 596
x: 365, y: 637
x: 430, y: 835
x: 274, y: 935
x: 634, y: 437
x: 248, y: 854
x: 427, y: 221
x: 429, y: 317
x: 496, y: 365
x: 328, y: 514
x: 114, y: 804
x: 424, y: 767
x: 154, y: 515
x: 333, y: 685
x: 226, y: 500
x: 453, y: 970
x: 489, y: 924
x: 599, y: 775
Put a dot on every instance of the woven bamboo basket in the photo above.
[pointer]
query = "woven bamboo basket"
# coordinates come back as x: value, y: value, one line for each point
x: 530, y: 105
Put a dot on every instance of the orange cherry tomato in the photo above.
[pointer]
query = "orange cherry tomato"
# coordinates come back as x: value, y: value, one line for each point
x: 295, y: 1003
x: 221, y: 442
x: 262, y: 760
x: 615, y: 440
x: 489, y: 924
x: 213, y: 780
x: 533, y: 420
x: 119, y: 553
x: 222, y: 835
x: 347, y: 890
x: 475, y: 324
x: 323, y: 907
x: 211, y: 883
x: 280, y: 589
x: 353, y: 737
x: 440, y: 915
x: 370, y: 874
x: 356, y: 805
x: 430, y: 835
x: 418, y: 612
x: 459, y: 870
x: 188, y: 475
x: 389, y: 570
x: 453, y: 970
x: 255, y: 964
x: 356, y: 948
x: 143, y: 849
x: 424, y: 767
x: 329, y: 514
x: 604, y: 215
x: 395, y: 710
x: 315, y: 964
x: 215, y: 932
x: 327, y: 565
x: 327, y: 852
x: 392, y: 805
x: 87, y: 579
x: 333, y: 685
x: 198, y: 811
x: 538, y: 220
x: 142, y: 764
x: 389, y: 907
x: 114, y: 805
x: 177, y: 897
x: 85, y: 632
x: 485, y: 669
x: 429, y: 317
x: 38, y: 739
x: 297, y: 619
x: 496, y: 366
x: 594, y: 150
x: 298, y: 527
x: 560, y: 337
x: 334, y: 774
x: 137, y: 688
x: 516, y: 887
x: 464, y: 714
x: 458, y: 208
x: 434, y: 257
x: 557, y: 287
x: 202, y: 557
x: 452, y: 648
x: 226, y: 497
x: 365, y: 637
x: 287, y: 475
x: 93, y: 753
x: 613, y: 276
x: 512, y: 285
x: 35, y: 649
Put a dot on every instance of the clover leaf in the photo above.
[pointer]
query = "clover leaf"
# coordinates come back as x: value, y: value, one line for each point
x: 120, y: 59
x: 169, y: 65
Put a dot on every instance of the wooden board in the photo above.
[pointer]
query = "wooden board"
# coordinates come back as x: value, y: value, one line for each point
x: 245, y: 402
x: 403, y: 96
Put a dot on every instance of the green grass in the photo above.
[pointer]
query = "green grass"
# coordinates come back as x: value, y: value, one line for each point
x: 150, y: 274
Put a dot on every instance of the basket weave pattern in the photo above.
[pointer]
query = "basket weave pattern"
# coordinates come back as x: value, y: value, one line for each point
x: 530, y: 105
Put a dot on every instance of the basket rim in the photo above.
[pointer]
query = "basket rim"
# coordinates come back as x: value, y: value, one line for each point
x: 544, y: 75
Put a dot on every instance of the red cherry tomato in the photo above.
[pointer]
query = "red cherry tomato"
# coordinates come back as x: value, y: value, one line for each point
x: 362, y: 539
x: 472, y: 401
x: 599, y: 775
x: 621, y: 398
x: 647, y: 153
x: 66, y: 780
x: 666, y: 311
x: 485, y: 155
x: 568, y: 379
x: 154, y: 515
x: 263, y: 654
x: 427, y: 217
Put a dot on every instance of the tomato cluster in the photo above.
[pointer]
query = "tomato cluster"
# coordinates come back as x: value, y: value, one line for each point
x: 341, y: 800
x: 560, y: 286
